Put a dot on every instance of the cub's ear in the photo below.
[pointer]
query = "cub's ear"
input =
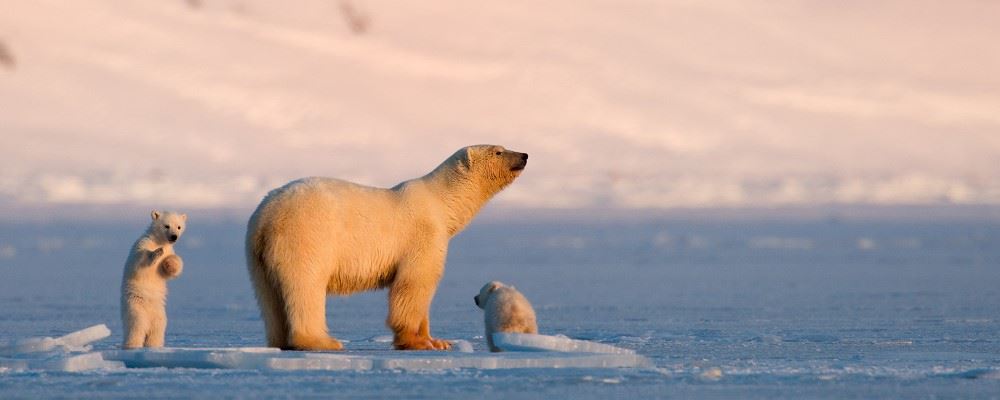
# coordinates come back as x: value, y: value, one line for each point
x: 155, y: 214
x: 184, y: 217
x: 494, y: 286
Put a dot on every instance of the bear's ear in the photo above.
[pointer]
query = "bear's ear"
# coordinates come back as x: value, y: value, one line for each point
x: 464, y: 160
x: 155, y: 214
x: 494, y: 286
x: 184, y: 217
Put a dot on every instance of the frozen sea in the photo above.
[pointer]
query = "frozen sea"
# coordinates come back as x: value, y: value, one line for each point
x: 725, y: 308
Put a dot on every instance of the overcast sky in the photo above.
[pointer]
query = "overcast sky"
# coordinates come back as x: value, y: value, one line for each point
x: 629, y: 104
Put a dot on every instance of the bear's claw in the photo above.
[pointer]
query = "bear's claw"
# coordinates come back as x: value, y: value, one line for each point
x: 441, y: 344
x: 308, y: 343
x: 425, y: 343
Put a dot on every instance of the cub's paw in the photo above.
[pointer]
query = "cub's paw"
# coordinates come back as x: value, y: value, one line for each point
x: 171, y: 266
x: 153, y: 255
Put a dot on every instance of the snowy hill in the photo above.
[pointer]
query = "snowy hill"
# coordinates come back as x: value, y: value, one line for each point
x: 625, y: 104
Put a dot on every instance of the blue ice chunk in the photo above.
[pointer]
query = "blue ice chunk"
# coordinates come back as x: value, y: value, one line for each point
x: 60, y: 362
x: 170, y: 357
x: 461, y: 346
x: 74, y: 342
x: 533, y: 342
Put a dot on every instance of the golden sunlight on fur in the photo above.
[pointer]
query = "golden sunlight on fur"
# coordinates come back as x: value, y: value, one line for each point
x: 319, y: 236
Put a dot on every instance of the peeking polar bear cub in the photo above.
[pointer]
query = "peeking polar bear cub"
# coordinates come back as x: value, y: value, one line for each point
x: 506, y: 310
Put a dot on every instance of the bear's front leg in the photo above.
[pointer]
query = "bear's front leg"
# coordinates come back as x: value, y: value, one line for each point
x: 425, y: 331
x: 150, y: 256
x: 171, y: 266
x: 410, y: 298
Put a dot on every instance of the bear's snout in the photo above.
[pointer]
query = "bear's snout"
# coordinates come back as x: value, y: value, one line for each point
x: 522, y: 161
x: 173, y: 238
x: 475, y: 299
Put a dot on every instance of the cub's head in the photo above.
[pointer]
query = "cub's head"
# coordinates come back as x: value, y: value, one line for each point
x: 167, y: 226
x: 493, y: 164
x: 486, y: 292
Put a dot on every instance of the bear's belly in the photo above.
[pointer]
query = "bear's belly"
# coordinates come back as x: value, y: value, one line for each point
x: 360, y: 275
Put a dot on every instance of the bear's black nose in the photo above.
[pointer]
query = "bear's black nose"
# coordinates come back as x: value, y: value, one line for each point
x: 173, y: 238
x: 475, y: 299
x: 521, y: 163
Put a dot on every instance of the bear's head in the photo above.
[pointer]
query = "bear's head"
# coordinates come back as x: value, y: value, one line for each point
x: 494, y: 164
x: 485, y: 292
x: 167, y: 226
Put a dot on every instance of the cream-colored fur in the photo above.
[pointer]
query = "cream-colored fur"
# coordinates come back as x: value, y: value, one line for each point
x: 505, y: 310
x: 150, y: 264
x: 319, y: 236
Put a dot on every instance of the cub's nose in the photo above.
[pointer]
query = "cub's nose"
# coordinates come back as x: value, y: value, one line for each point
x: 524, y: 156
x: 475, y: 299
x: 173, y: 238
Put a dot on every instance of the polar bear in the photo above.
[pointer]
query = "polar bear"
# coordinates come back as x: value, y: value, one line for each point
x: 319, y: 236
x: 505, y: 310
x: 150, y: 264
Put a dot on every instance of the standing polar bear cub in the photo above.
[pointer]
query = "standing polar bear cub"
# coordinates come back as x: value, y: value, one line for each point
x: 319, y: 236
x: 149, y: 266
x: 505, y: 310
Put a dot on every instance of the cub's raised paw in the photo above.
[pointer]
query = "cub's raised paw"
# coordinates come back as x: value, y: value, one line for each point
x: 171, y: 266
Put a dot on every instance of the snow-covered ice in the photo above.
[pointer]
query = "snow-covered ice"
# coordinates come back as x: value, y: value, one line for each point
x: 532, y: 342
x: 716, y: 315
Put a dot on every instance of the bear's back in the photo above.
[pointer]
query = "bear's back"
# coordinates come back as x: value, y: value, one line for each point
x: 508, y: 308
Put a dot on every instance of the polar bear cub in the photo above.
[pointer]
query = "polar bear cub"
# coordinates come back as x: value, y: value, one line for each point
x: 151, y: 263
x: 506, y: 310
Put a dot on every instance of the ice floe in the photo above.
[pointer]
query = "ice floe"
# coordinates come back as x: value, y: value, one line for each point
x: 71, y: 352
x: 274, y: 359
x: 532, y: 342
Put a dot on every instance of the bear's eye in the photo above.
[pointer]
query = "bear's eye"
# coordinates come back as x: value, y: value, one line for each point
x: 499, y: 153
x: 166, y: 226
x: 178, y: 227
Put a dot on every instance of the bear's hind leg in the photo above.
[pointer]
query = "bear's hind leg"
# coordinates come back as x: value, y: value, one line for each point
x: 305, y: 307
x: 157, y: 331
x: 136, y: 329
x: 272, y: 309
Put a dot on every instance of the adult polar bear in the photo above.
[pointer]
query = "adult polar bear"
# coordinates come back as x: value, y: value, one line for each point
x: 319, y: 236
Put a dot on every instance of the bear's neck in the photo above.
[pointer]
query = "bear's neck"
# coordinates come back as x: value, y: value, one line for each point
x: 463, y: 195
